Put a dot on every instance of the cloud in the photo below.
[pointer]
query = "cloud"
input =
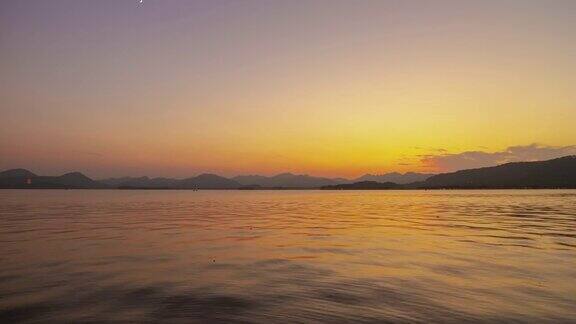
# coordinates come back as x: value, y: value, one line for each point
x: 477, y: 159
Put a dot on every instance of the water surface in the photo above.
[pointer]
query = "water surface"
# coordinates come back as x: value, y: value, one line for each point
x: 287, y: 256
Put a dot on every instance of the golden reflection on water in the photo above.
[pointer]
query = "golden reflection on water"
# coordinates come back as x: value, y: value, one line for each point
x: 263, y: 256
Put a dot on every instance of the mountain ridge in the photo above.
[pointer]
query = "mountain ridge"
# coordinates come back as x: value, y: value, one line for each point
x: 396, y: 177
x: 285, y: 180
x: 364, y: 185
x: 22, y: 178
x: 554, y: 173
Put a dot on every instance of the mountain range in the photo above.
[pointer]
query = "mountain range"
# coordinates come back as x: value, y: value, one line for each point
x: 287, y: 180
x: 555, y: 173
x: 22, y: 178
x: 395, y: 177
x: 279, y: 181
x: 364, y: 185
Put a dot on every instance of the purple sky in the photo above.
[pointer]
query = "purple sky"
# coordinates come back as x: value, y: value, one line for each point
x: 179, y: 87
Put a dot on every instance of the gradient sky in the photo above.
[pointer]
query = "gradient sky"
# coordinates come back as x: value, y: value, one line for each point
x: 326, y: 87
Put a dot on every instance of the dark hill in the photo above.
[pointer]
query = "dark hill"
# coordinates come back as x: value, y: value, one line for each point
x: 116, y: 182
x: 16, y: 173
x: 556, y: 173
x: 395, y: 177
x: 364, y: 185
x: 75, y: 180
x: 24, y: 179
x: 149, y: 183
x: 208, y: 181
x: 287, y: 180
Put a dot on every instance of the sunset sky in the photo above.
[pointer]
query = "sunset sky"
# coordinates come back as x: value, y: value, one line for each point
x: 324, y: 87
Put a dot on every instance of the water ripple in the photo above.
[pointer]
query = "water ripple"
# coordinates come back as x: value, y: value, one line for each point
x: 287, y: 256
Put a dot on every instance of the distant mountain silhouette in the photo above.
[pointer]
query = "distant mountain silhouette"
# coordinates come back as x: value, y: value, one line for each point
x: 208, y: 181
x: 364, y: 185
x: 556, y: 173
x: 116, y: 182
x: 152, y: 182
x: 141, y: 182
x: 76, y: 180
x: 16, y: 178
x: 395, y: 177
x: 203, y: 181
x: 21, y: 179
x: 248, y: 180
x: 287, y: 180
x: 16, y: 173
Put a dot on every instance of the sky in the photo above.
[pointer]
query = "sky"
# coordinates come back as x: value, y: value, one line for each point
x: 323, y: 87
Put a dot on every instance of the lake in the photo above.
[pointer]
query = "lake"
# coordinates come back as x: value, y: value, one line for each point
x: 287, y: 256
